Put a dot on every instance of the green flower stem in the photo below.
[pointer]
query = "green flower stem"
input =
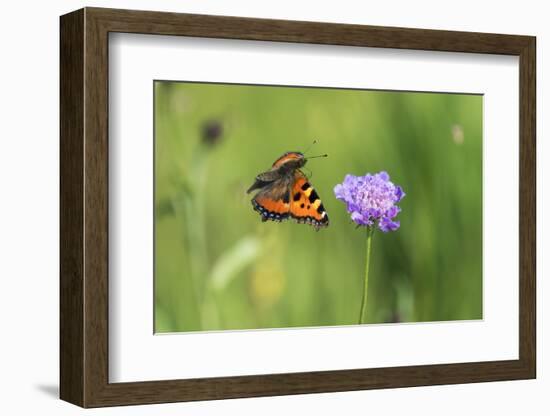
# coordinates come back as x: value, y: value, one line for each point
x: 363, y: 314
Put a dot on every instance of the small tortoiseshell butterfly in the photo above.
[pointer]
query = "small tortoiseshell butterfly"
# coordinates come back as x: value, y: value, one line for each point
x: 286, y: 193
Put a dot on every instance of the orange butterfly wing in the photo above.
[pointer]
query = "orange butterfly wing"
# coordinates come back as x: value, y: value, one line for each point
x: 270, y: 208
x: 305, y: 204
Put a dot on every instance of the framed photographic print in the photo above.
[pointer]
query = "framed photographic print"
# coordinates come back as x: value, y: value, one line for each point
x: 255, y: 207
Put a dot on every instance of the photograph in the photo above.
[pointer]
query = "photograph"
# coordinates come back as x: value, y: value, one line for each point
x: 300, y: 206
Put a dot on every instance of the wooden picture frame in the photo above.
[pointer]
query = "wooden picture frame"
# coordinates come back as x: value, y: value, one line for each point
x: 84, y: 207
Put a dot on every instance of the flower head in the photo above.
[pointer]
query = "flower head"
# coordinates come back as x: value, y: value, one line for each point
x: 371, y: 200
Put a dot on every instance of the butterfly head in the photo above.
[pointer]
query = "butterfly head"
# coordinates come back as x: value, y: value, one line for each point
x: 290, y: 160
x: 293, y: 160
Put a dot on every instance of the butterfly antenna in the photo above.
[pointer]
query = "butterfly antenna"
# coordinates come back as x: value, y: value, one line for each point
x: 314, y: 157
x: 310, y: 146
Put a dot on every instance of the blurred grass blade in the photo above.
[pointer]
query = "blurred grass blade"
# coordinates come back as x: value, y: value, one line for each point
x: 228, y: 266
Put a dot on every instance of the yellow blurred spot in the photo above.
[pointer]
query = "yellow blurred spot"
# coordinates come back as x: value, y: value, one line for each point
x: 267, y: 284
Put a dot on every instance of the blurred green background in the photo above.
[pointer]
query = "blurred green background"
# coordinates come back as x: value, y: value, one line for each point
x: 217, y: 266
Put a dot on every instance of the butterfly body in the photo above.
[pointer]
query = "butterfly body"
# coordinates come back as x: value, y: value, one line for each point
x: 285, y: 192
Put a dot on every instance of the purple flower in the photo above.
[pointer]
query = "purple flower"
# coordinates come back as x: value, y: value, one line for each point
x: 371, y: 200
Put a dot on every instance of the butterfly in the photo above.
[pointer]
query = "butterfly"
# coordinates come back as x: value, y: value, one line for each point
x: 285, y: 192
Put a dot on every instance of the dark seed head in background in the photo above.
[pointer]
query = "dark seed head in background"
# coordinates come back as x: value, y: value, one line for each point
x: 212, y: 132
